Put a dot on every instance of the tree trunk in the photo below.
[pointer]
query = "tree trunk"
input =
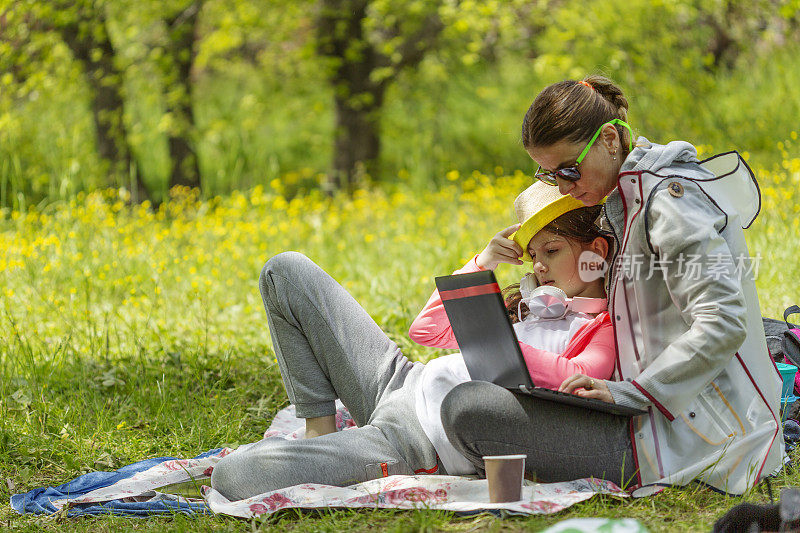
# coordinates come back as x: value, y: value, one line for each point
x: 178, y: 87
x: 358, y: 97
x: 87, y: 35
x: 356, y: 145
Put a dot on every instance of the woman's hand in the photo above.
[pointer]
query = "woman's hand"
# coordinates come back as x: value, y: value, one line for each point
x: 592, y: 388
x: 500, y: 249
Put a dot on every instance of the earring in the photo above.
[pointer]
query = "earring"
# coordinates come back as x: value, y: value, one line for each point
x: 614, y: 154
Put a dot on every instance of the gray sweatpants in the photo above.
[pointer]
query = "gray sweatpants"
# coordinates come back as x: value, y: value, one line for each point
x: 562, y: 442
x: 328, y: 347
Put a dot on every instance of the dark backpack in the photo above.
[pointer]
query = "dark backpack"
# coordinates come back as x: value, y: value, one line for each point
x: 790, y: 342
x: 777, y: 332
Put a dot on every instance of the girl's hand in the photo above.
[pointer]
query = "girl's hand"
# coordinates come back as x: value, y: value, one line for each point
x: 500, y: 249
x: 592, y: 388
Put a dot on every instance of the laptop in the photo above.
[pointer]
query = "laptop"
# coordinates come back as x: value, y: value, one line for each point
x: 489, y: 345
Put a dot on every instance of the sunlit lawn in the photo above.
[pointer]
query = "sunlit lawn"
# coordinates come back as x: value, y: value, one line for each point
x: 133, y: 333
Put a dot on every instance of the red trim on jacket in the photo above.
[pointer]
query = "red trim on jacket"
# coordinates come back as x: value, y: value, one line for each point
x: 612, y: 300
x: 634, y: 344
x: 635, y: 455
x: 660, y: 407
x: 778, y: 425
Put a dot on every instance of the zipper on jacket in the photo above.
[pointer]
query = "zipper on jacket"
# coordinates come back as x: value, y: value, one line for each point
x: 617, y: 246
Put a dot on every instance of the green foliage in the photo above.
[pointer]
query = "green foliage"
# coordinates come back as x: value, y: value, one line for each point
x: 262, y: 99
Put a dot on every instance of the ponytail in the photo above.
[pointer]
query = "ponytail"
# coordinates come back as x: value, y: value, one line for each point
x: 611, y: 93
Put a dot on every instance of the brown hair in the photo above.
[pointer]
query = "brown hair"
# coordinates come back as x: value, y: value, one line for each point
x: 573, y: 111
x: 578, y: 226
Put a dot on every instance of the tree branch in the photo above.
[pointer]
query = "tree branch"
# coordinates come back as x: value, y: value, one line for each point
x: 413, y: 48
x: 184, y: 15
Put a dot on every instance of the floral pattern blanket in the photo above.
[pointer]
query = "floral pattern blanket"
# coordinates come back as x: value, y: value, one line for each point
x: 167, y: 485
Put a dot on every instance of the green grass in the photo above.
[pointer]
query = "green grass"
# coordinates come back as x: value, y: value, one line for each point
x: 127, y: 334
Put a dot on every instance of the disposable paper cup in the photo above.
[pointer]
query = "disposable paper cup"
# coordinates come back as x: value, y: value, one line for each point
x: 504, y: 474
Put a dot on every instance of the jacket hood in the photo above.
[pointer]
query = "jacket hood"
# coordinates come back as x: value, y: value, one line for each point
x: 654, y: 157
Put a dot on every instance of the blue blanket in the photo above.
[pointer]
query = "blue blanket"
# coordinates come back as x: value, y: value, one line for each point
x: 38, y: 500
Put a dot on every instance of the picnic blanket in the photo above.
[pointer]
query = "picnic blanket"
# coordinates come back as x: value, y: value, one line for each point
x: 167, y: 485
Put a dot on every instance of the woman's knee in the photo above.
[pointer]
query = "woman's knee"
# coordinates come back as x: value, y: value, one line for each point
x: 472, y: 402
x: 283, y: 264
x: 287, y: 266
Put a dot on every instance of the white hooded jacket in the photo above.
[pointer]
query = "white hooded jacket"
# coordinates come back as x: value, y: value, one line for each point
x: 690, y: 339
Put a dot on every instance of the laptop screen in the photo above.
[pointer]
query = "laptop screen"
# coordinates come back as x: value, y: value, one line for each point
x: 482, y: 329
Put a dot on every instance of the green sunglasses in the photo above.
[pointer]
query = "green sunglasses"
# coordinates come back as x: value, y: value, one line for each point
x: 572, y: 173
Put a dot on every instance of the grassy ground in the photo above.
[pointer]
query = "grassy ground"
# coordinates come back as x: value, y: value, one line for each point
x: 127, y: 333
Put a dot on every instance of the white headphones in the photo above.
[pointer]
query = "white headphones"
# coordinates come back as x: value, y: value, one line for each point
x: 550, y: 303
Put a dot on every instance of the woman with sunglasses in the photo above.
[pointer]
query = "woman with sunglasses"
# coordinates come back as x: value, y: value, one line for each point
x: 690, y: 341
